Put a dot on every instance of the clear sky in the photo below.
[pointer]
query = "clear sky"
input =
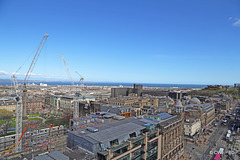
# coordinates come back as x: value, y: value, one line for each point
x: 148, y: 41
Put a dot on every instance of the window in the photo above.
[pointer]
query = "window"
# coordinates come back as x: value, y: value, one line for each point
x: 132, y: 135
x: 114, y: 142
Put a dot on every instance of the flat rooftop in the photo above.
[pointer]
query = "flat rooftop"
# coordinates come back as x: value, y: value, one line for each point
x: 115, y: 128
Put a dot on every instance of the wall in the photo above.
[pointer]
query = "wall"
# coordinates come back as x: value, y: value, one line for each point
x: 191, y: 129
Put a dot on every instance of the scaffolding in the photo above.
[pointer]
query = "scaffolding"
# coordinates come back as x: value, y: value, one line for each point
x: 35, y: 138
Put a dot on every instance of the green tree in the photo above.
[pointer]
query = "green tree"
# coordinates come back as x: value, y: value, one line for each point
x: 5, y: 120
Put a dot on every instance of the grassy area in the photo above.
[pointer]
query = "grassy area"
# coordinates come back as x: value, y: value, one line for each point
x: 34, y: 115
x: 13, y: 124
x: 57, y: 122
x: 35, y: 119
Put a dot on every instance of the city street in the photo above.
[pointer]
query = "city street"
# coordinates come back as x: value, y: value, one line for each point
x: 216, y: 141
x: 213, y: 144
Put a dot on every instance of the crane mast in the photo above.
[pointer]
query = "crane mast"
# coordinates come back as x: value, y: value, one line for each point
x: 21, y: 98
x: 75, y: 102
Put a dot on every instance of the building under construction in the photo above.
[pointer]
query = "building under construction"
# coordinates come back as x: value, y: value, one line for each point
x: 34, y: 138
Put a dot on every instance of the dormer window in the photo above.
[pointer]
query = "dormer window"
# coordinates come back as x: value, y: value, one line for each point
x: 132, y: 134
x: 114, y: 142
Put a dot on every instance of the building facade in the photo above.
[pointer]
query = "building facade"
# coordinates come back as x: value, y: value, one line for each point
x: 34, y: 106
x: 204, y: 112
x: 9, y: 106
x: 192, y: 127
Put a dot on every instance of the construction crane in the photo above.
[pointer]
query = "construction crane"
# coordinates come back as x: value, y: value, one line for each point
x: 69, y: 75
x: 75, y: 102
x: 80, y: 81
x: 29, y: 72
x: 21, y: 98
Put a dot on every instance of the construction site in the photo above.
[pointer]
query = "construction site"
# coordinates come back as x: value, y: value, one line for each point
x: 31, y: 137
x: 35, y: 137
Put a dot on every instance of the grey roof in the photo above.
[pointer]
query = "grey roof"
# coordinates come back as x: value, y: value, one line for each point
x: 43, y: 157
x: 78, y: 154
x: 170, y: 121
x: 114, y: 108
x: 91, y: 140
x: 206, y: 107
x: 145, y: 121
x: 104, y: 108
x: 194, y: 100
x: 116, y: 132
x: 57, y: 155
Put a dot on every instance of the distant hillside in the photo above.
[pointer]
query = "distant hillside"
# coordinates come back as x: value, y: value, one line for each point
x: 210, y: 92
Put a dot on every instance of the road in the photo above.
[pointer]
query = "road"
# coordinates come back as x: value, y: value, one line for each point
x: 215, y: 142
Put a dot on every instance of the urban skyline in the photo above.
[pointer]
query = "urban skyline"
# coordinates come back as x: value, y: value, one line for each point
x: 137, y: 41
x: 120, y: 80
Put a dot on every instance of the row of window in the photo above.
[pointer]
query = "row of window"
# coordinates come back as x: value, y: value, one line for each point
x: 174, y: 152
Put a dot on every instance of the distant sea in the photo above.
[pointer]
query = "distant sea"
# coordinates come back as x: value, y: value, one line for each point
x: 4, y: 82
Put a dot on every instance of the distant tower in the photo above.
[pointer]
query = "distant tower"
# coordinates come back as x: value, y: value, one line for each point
x: 179, y: 106
x: 138, y: 89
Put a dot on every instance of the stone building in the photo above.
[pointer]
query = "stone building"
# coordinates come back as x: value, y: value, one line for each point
x: 192, y: 127
x: 8, y: 104
x: 34, y: 105
x: 134, y: 101
x: 204, y: 112
x: 59, y: 104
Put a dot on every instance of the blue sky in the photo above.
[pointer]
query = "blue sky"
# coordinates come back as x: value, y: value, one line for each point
x: 148, y: 41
